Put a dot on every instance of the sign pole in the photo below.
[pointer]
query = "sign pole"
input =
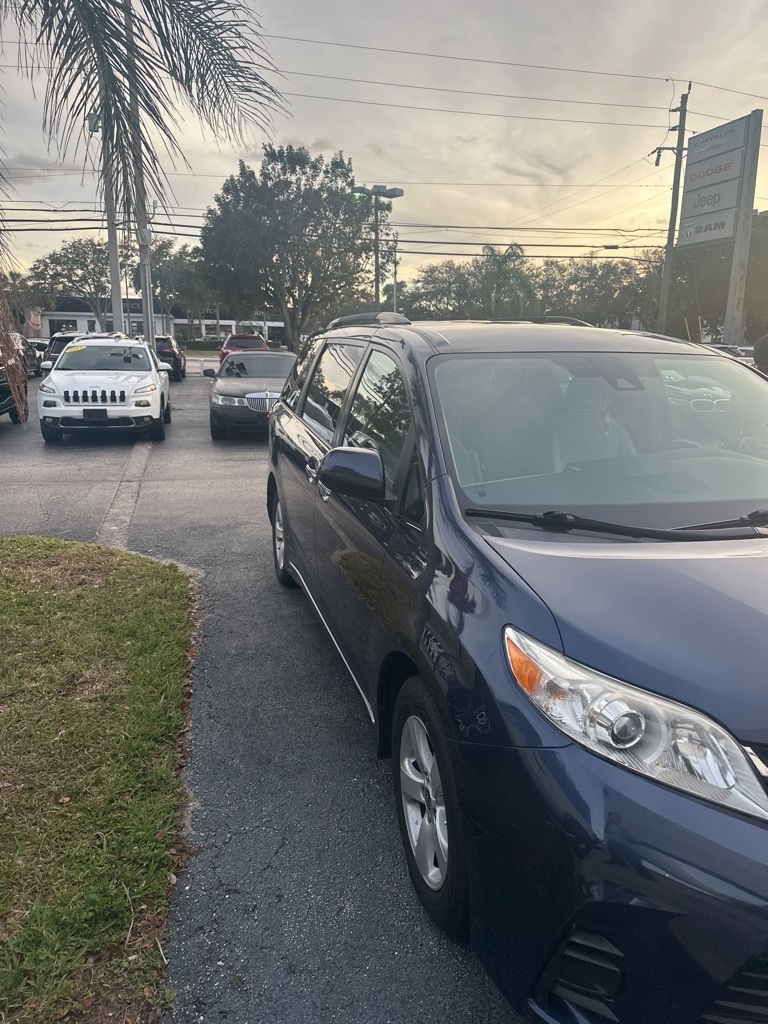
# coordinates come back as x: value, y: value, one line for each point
x: 733, y: 327
x: 666, y: 274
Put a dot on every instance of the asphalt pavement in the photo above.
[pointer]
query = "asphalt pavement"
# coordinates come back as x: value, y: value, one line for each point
x: 296, y: 905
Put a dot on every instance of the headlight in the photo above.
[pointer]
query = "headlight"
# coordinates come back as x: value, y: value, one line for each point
x: 46, y: 388
x: 145, y: 389
x: 218, y: 399
x: 656, y: 737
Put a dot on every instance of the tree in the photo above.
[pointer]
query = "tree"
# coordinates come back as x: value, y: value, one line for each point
x: 503, y: 289
x: 291, y: 237
x: 79, y: 269
x: 443, y: 290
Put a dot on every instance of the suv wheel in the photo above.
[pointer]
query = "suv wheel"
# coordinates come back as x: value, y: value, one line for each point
x: 51, y: 435
x: 14, y: 413
x: 428, y: 811
x: 167, y: 413
x: 157, y: 430
x: 178, y: 373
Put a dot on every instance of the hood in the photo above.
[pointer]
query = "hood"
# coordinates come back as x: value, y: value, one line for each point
x: 238, y: 387
x: 73, y: 381
x: 687, y: 620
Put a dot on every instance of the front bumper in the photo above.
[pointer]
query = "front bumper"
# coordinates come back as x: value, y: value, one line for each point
x: 610, y: 898
x: 238, y: 417
x: 114, y: 417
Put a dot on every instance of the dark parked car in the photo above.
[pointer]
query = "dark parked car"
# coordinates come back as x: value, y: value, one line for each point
x: 169, y: 351
x: 548, y: 582
x: 247, y: 386
x: 242, y: 343
x: 59, y: 342
x: 7, y: 402
x: 36, y: 349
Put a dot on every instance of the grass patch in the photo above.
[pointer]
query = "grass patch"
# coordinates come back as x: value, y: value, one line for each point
x: 94, y: 662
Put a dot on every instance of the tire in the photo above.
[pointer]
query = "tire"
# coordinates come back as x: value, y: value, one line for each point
x: 51, y: 436
x: 14, y: 413
x: 184, y: 371
x: 432, y: 826
x: 167, y: 413
x: 217, y: 433
x: 38, y: 370
x: 157, y: 430
x: 178, y: 375
x: 279, y: 546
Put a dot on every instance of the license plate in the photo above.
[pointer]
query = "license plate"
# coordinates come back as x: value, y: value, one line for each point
x: 95, y: 414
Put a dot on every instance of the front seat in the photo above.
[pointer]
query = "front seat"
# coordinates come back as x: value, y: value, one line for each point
x: 586, y: 430
x: 511, y: 440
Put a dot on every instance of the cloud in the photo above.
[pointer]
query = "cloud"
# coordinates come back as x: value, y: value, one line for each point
x: 375, y: 149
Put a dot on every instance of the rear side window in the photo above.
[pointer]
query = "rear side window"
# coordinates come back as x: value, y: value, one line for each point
x: 380, y: 416
x: 328, y: 388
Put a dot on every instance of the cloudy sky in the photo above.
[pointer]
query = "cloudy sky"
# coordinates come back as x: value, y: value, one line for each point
x: 540, y: 134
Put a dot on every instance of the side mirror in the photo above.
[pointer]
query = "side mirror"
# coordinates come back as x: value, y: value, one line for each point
x: 356, y: 472
x: 166, y: 366
x: 208, y: 372
x: 46, y: 364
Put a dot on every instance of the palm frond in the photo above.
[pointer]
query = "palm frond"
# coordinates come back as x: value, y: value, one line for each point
x: 131, y: 61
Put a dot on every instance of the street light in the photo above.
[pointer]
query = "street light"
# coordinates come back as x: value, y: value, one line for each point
x: 378, y: 192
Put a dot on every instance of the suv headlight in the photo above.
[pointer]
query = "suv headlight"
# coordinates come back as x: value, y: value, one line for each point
x: 46, y: 388
x: 665, y: 741
x: 145, y: 389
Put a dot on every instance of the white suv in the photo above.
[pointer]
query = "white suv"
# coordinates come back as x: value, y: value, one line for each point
x: 105, y: 381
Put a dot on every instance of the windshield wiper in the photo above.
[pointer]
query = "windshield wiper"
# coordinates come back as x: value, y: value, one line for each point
x: 564, y: 521
x: 757, y: 518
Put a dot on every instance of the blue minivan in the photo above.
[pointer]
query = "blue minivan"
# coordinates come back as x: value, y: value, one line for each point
x: 542, y: 553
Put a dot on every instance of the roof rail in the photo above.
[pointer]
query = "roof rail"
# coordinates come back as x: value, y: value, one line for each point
x: 550, y: 318
x: 370, y: 319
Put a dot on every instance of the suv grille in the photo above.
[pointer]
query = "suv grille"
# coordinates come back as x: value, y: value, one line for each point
x: 744, y: 1000
x: 94, y: 396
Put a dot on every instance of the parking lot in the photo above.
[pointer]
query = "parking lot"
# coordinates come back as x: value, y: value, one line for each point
x: 295, y: 906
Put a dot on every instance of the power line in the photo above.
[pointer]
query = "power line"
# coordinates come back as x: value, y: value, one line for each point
x: 513, y: 64
x: 471, y: 113
x: 474, y: 92
x: 468, y: 60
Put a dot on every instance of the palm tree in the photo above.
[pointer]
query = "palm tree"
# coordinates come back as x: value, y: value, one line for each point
x: 503, y: 287
x: 130, y: 62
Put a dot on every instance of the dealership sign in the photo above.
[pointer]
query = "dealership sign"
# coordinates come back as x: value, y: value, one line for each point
x: 714, y: 191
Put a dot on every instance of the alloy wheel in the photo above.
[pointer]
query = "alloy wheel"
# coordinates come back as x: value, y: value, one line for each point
x: 423, y: 803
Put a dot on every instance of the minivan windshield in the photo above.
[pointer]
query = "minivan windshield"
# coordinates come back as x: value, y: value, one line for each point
x: 651, y: 439
x: 104, y: 358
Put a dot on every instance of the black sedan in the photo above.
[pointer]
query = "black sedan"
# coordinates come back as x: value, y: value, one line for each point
x: 246, y: 387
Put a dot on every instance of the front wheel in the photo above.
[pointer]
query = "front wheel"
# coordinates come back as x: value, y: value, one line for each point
x: 157, y: 430
x: 217, y: 433
x: 167, y: 413
x: 51, y: 436
x: 14, y: 413
x: 428, y: 811
x: 279, y: 546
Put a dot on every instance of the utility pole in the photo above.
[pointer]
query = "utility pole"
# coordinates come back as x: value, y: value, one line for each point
x: 143, y: 232
x: 394, y: 284
x: 666, y: 276
x: 95, y: 124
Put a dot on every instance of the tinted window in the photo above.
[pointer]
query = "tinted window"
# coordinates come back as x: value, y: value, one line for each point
x: 298, y: 375
x: 328, y: 388
x: 262, y: 364
x: 105, y: 358
x: 380, y: 416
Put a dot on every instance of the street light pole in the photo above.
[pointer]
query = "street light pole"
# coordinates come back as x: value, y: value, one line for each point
x: 378, y: 192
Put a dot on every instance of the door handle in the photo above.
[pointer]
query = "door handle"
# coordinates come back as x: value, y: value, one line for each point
x: 310, y: 468
x: 324, y: 492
